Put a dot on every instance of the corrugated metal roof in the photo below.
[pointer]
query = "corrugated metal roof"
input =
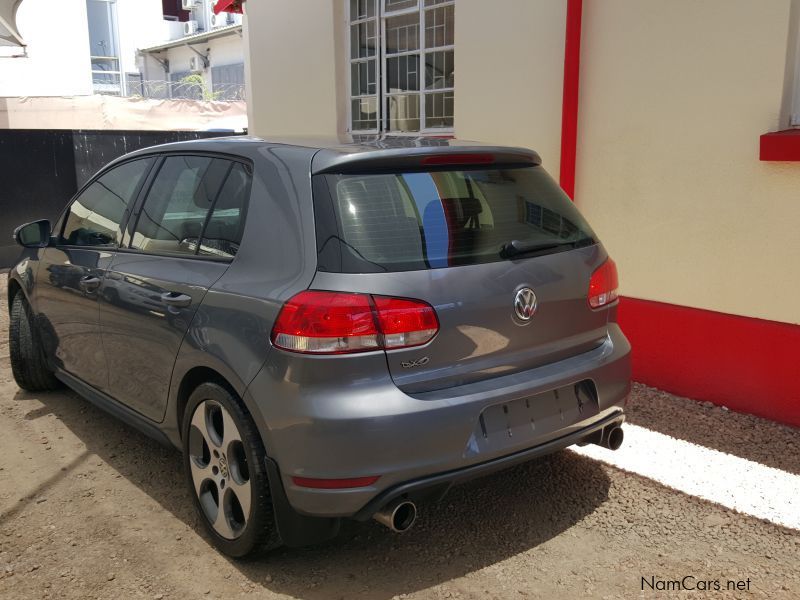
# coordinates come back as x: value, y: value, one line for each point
x: 195, y: 38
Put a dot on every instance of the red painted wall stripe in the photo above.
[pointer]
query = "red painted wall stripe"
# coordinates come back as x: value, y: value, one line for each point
x: 749, y: 365
x: 780, y: 145
x: 569, y: 99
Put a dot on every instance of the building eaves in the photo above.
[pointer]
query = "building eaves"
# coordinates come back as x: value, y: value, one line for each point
x: 196, y: 38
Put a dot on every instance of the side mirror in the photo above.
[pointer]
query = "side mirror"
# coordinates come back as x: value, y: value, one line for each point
x: 33, y: 235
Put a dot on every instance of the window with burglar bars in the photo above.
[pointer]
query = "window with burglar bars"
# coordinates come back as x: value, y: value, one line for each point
x: 401, y: 65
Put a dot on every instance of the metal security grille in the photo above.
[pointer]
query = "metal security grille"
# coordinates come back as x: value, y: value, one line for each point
x: 401, y: 65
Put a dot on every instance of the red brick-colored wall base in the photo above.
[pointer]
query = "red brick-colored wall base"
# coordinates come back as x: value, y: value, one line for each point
x: 749, y: 365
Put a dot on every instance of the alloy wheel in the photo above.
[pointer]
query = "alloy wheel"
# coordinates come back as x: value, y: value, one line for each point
x: 219, y: 469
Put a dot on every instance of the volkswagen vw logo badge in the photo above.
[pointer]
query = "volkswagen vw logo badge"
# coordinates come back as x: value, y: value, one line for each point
x: 525, y: 304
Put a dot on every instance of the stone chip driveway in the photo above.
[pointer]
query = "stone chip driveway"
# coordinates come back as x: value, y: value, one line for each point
x: 92, y: 509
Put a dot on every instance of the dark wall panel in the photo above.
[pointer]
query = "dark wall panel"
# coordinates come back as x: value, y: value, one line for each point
x: 40, y: 170
x: 37, y: 177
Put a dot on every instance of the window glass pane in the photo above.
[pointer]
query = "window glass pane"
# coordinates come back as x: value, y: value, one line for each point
x: 403, y: 112
x: 362, y: 9
x: 365, y: 113
x: 95, y: 216
x: 402, y: 73
x: 439, y: 26
x: 439, y: 110
x: 435, y: 2
x: 176, y: 206
x: 402, y: 33
x: 223, y: 233
x: 363, y: 39
x: 100, y: 15
x: 427, y: 220
x: 439, y: 70
x: 363, y: 79
x: 393, y: 5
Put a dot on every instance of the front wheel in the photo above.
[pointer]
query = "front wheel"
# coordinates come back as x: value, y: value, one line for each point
x: 28, y: 364
x: 224, y: 460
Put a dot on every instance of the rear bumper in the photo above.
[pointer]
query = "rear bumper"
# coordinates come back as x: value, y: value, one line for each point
x: 441, y: 482
x: 315, y: 426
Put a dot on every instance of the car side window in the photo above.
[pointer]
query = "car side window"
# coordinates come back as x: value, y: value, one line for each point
x: 223, y: 232
x: 94, y: 218
x: 175, y: 210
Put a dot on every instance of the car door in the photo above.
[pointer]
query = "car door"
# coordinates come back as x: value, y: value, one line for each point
x: 181, y: 240
x: 72, y: 271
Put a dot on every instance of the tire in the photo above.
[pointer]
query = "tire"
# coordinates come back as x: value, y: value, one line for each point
x: 224, y: 459
x: 28, y: 364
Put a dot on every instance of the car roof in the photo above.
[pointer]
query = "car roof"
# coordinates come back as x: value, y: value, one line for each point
x: 347, y: 152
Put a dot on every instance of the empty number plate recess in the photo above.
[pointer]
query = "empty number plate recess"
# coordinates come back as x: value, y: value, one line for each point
x: 513, y: 423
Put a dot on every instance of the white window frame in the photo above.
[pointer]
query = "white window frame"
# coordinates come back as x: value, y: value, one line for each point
x: 381, y: 58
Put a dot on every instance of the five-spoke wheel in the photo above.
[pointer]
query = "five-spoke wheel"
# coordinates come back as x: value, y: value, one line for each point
x: 225, y: 465
x: 219, y: 469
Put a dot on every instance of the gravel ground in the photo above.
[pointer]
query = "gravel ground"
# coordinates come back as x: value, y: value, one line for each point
x: 92, y: 509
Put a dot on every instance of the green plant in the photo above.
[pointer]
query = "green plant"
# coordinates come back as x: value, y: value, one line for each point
x: 196, y: 80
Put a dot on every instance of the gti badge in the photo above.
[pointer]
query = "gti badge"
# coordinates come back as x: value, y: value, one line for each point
x: 420, y: 362
x: 525, y: 304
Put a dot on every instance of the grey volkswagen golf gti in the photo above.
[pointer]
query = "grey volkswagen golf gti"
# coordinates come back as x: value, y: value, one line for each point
x: 327, y: 329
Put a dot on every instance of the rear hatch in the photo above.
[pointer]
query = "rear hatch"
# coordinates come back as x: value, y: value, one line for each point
x: 473, y: 237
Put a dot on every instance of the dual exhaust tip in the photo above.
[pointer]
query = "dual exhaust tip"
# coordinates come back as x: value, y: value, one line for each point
x: 401, y: 514
x: 610, y: 437
x: 613, y: 437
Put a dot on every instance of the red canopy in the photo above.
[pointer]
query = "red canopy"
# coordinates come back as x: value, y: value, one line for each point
x: 231, y: 6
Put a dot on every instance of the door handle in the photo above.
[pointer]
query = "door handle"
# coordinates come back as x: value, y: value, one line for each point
x: 89, y: 283
x: 176, y: 299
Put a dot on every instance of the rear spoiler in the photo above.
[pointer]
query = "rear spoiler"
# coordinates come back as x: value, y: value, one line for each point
x: 360, y: 159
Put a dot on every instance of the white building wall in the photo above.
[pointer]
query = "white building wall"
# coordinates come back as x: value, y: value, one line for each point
x: 228, y: 50
x: 57, y: 37
x: 58, y: 51
x: 139, y: 25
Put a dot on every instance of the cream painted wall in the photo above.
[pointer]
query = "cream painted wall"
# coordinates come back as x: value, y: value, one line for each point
x: 290, y: 67
x: 510, y: 73
x: 674, y: 96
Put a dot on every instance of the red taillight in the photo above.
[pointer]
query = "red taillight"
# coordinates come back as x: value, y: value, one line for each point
x: 405, y: 322
x: 337, y: 322
x: 603, y: 285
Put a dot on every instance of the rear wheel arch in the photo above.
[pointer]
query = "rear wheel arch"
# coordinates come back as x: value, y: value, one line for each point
x: 294, y: 530
x: 197, y: 376
x: 193, y: 379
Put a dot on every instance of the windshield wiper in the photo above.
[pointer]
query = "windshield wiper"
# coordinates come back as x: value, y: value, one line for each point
x: 517, y: 248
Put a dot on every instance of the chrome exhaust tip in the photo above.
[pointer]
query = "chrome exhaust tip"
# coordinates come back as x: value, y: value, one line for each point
x: 612, y: 439
x: 399, y: 515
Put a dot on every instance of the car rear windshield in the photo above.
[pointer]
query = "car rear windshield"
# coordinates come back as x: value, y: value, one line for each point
x: 429, y: 220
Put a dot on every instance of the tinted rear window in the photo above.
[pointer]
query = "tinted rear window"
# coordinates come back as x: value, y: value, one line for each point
x: 429, y: 220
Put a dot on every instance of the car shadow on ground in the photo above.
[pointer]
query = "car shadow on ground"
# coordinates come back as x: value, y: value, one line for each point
x: 478, y: 524
x: 746, y: 436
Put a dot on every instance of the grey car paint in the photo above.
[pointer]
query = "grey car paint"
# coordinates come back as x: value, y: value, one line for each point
x: 66, y: 291
x: 346, y: 415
